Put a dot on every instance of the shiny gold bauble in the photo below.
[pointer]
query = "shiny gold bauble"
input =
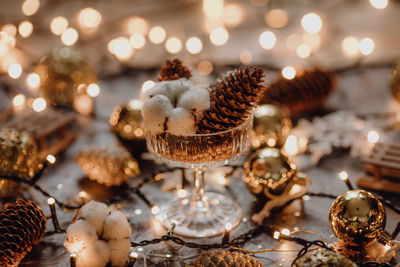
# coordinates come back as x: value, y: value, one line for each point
x: 64, y: 75
x: 125, y: 122
x: 19, y: 157
x: 395, y: 82
x: 357, y: 218
x: 323, y: 257
x: 271, y: 127
x: 268, y: 172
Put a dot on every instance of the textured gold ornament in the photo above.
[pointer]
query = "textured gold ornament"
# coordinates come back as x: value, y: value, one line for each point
x: 269, y: 172
x: 64, y: 77
x: 323, y: 257
x: 357, y: 218
x: 221, y: 258
x: 111, y: 167
x: 271, y: 127
x: 19, y: 157
x: 125, y: 122
x: 395, y: 83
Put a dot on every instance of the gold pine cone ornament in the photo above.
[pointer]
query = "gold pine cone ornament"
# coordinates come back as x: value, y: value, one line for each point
x: 221, y: 258
x: 19, y: 157
x: 323, y: 257
x: 357, y: 218
x: 271, y: 127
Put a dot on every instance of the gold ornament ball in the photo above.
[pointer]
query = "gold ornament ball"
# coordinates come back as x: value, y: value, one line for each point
x: 395, y: 83
x: 271, y: 127
x: 268, y: 172
x: 19, y: 157
x: 65, y: 75
x: 125, y: 122
x: 323, y: 257
x: 357, y: 218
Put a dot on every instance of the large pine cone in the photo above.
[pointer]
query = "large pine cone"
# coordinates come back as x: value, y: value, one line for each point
x: 221, y: 258
x: 174, y: 70
x: 305, y: 93
x: 22, y: 226
x: 232, y: 99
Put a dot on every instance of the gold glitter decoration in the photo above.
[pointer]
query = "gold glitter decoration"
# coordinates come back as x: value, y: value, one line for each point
x: 221, y: 258
x: 357, y: 218
x: 19, y: 157
x: 64, y: 75
x: 271, y: 127
x: 395, y: 83
x: 111, y: 167
x: 125, y: 122
x: 269, y: 172
x: 323, y: 257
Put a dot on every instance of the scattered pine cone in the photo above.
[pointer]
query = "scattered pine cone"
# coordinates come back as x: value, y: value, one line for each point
x: 221, y: 258
x: 174, y: 70
x: 22, y: 226
x: 305, y: 93
x: 323, y: 257
x: 232, y: 99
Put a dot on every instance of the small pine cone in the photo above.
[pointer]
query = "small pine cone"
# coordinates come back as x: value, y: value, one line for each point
x: 22, y: 226
x: 232, y: 99
x: 174, y: 70
x: 305, y: 93
x: 108, y: 166
x: 221, y: 258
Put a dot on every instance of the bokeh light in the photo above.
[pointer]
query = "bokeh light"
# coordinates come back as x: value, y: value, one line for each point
x: 39, y: 104
x: 30, y: 7
x: 194, y: 45
x: 173, y: 45
x: 147, y: 85
x: 157, y: 35
x: 373, y: 137
x: 311, y: 23
x: 350, y: 46
x: 137, y: 25
x: 121, y: 48
x: 267, y: 40
x: 69, y: 37
x: 10, y: 29
x: 137, y: 40
x: 93, y: 90
x: 25, y: 28
x: 213, y: 8
x: 379, y: 4
x: 367, y: 46
x: 303, y: 51
x: 289, y: 72
x: 18, y: 100
x: 232, y: 15
x: 204, y: 67
x: 219, y: 36
x: 33, y: 80
x: 89, y: 18
x: 58, y: 25
x: 276, y: 18
x: 15, y: 70
x: 245, y: 57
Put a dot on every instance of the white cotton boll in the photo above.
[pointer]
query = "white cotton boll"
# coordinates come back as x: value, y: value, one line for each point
x: 116, y: 226
x: 171, y: 89
x: 181, y: 122
x: 94, y: 213
x: 195, y: 98
x: 119, y: 251
x: 154, y: 112
x: 80, y: 235
x: 96, y: 255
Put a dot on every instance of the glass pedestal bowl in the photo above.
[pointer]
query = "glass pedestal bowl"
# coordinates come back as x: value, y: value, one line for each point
x: 203, y: 214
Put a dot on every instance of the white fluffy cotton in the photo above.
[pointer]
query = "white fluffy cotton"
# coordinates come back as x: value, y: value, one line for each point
x: 181, y: 122
x: 94, y: 213
x: 80, y: 235
x: 155, y: 111
x: 173, y: 102
x: 96, y: 255
x: 91, y: 246
x: 119, y: 251
x: 116, y: 227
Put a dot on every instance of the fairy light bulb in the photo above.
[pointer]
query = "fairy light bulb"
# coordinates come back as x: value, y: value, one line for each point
x: 58, y: 25
x: 69, y: 37
x: 33, y: 80
x: 267, y: 40
x: 194, y: 45
x: 39, y: 104
x: 350, y: 46
x: 25, y: 28
x: 311, y: 23
x: 18, y: 100
x: 93, y: 90
x: 276, y: 18
x: 51, y: 159
x: 285, y: 231
x: 155, y: 210
x: 15, y: 70
x: 89, y: 18
x: 379, y: 4
x: 147, y: 85
x: 121, y: 48
x: 137, y: 25
x: 343, y: 175
x: 232, y: 15
x: 219, y: 36
x: 213, y: 8
x: 137, y: 40
x: 10, y: 29
x: 290, y: 146
x: 30, y: 7
x: 157, y: 35
x: 289, y: 72
x: 173, y: 45
x: 303, y: 51
x: 373, y: 137
x: 366, y: 46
